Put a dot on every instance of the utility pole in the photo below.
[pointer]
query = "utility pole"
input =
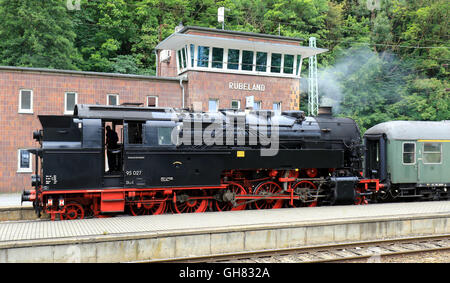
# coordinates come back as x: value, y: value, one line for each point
x: 221, y: 15
x: 313, y: 95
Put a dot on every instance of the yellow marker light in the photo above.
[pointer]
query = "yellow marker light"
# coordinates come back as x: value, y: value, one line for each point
x: 240, y: 153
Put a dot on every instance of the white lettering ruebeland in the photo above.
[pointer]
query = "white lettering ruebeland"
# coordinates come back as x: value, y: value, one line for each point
x: 246, y: 86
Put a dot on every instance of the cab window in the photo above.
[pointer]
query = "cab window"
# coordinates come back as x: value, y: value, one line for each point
x: 134, y: 132
x: 164, y: 136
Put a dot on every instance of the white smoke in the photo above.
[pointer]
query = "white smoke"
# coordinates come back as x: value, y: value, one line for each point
x: 348, y: 65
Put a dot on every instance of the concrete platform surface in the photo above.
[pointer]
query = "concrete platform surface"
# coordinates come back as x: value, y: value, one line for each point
x: 216, y: 222
x: 12, y: 199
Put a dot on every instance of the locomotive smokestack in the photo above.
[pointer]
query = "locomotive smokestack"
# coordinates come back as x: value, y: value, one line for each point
x: 325, y: 111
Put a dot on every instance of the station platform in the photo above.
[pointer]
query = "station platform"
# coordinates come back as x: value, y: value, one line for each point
x: 138, y: 238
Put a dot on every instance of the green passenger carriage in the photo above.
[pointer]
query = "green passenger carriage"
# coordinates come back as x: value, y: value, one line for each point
x: 411, y: 158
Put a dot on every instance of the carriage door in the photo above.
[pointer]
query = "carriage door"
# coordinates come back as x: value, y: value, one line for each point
x: 430, y: 167
x: 375, y: 157
x: 409, y: 163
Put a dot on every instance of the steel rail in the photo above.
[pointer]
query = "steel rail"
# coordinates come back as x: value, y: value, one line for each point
x: 336, y: 252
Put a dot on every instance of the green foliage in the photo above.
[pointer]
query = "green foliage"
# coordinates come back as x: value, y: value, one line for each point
x: 383, y: 64
x: 37, y: 33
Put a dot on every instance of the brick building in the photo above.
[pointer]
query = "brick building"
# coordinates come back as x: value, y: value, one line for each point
x: 199, y: 68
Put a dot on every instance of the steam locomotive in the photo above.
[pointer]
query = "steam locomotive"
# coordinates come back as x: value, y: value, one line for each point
x: 173, y: 160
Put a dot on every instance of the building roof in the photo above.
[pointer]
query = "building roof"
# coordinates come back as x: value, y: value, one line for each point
x: 122, y: 112
x: 240, y: 33
x: 412, y: 130
x: 179, y: 39
x: 85, y: 73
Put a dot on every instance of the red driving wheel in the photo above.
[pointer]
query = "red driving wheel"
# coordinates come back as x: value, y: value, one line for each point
x: 142, y: 208
x: 192, y: 205
x: 72, y: 211
x: 268, y: 189
x: 306, y: 190
x: 235, y: 189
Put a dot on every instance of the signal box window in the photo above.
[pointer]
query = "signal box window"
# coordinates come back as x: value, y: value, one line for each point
x: 203, y: 56
x: 217, y: 58
x: 247, y: 60
x: 299, y: 57
x: 233, y: 59
x: 409, y: 150
x: 432, y: 153
x: 26, y: 101
x: 261, y: 61
x: 180, y: 63
x: 183, y: 52
x: 288, y: 64
x: 192, y: 54
x: 276, y: 63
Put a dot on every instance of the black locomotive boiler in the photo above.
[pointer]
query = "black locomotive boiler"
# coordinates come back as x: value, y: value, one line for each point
x: 172, y: 160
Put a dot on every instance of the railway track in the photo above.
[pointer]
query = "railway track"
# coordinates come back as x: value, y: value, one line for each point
x: 371, y: 250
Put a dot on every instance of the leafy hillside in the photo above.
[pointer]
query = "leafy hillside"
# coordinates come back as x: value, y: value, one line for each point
x: 386, y: 63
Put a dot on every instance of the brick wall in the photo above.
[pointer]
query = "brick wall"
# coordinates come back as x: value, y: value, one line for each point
x: 209, y: 85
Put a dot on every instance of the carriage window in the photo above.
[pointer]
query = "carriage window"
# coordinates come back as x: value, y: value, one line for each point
x: 409, y: 150
x: 432, y: 153
x: 164, y: 136
x: 135, y: 133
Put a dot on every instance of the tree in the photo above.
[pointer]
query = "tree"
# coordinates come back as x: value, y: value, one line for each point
x: 37, y: 33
